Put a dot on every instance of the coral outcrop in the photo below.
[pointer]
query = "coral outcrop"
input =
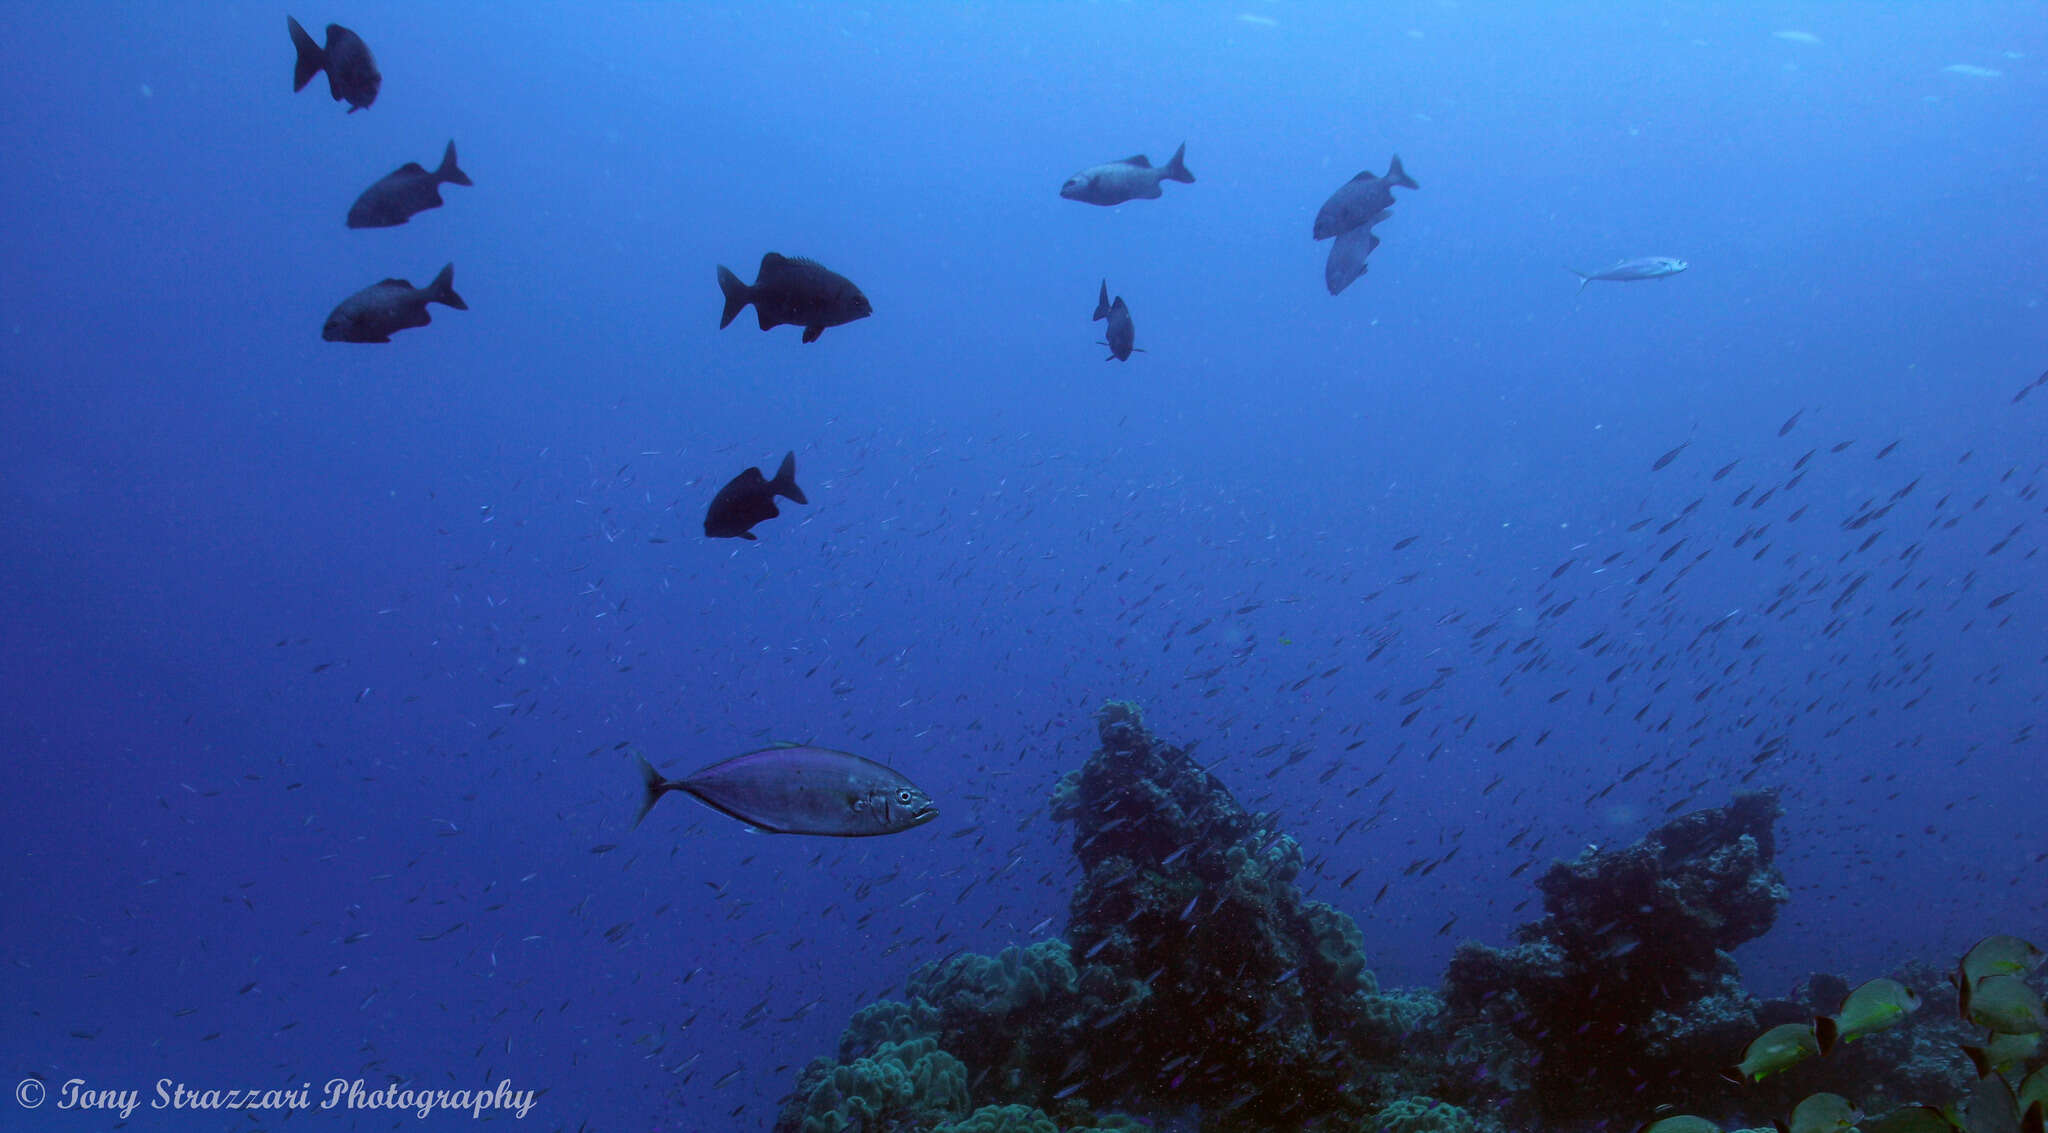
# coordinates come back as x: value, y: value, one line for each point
x: 1625, y: 985
x: 1195, y: 983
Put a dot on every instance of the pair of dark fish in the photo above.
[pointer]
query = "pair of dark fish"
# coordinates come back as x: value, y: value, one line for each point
x: 800, y: 790
x: 382, y: 309
x: 749, y: 498
x: 405, y: 192
x: 352, y: 73
x: 1361, y: 201
x: 1133, y: 178
x: 793, y: 292
x: 1349, y: 216
x: 1121, y: 332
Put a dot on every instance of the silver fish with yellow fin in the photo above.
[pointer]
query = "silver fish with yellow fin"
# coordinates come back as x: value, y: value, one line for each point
x: 1780, y: 1048
x: 1872, y: 1007
x: 1821, y: 1113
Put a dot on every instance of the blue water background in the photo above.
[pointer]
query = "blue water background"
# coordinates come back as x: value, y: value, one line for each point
x: 303, y: 640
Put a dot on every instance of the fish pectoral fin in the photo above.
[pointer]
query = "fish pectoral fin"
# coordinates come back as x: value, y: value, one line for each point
x: 812, y: 332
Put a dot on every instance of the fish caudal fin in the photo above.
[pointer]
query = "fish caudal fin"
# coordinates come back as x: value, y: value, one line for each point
x: 655, y: 784
x: 1102, y: 304
x: 442, y: 290
x: 1176, y: 169
x: 448, y: 171
x: 1584, y: 279
x: 1398, y: 175
x: 737, y: 296
x: 311, y: 60
x: 1825, y: 1032
x: 784, y: 484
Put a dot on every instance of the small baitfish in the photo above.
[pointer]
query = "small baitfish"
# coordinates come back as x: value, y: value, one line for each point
x: 800, y: 790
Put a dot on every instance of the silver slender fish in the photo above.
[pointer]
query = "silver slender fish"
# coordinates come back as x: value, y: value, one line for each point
x: 800, y: 790
x: 1628, y: 271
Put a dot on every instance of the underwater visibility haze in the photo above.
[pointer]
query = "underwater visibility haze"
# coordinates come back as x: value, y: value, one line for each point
x: 1525, y: 628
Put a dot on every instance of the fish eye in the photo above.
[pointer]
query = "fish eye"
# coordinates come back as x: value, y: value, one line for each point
x: 903, y: 798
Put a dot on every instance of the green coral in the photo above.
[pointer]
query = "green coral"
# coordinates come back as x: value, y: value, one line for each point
x: 902, y: 1087
x: 1002, y: 1119
x: 1423, y: 1114
x: 883, y: 1021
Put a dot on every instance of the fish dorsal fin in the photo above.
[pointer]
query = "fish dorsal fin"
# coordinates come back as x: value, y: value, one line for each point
x: 772, y: 260
x: 405, y: 283
x: 1140, y: 160
x: 1366, y: 175
x: 412, y: 167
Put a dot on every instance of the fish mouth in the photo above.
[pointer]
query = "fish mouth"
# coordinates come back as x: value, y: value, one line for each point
x: 923, y: 816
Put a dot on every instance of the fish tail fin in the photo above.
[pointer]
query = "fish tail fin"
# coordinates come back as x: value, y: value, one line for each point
x: 655, y: 785
x: 448, y: 171
x: 1980, y: 1059
x: 1176, y: 168
x: 2035, y: 1120
x: 1584, y: 279
x: 1734, y: 1076
x: 1399, y: 176
x: 312, y: 60
x: 737, y: 295
x: 1825, y: 1032
x: 784, y: 484
x: 442, y: 290
x: 1102, y: 304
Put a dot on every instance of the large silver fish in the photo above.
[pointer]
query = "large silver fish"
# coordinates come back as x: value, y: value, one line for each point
x: 1628, y: 271
x: 800, y: 790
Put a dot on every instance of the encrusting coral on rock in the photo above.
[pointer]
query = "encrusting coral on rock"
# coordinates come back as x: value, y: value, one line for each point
x: 1194, y: 977
x: 1197, y: 988
x: 1626, y: 979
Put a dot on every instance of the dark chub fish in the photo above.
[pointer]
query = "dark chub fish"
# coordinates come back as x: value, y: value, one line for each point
x: 405, y: 192
x: 1360, y: 200
x: 749, y: 498
x: 1129, y: 179
x: 380, y: 310
x: 793, y: 292
x: 1121, y: 332
x: 351, y: 70
x: 800, y: 790
x: 1348, y: 252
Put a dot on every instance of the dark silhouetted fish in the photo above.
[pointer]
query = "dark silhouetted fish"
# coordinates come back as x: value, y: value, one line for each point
x: 1628, y: 271
x: 1361, y: 200
x: 1121, y: 332
x: 793, y: 292
x: 351, y: 70
x: 749, y: 498
x: 1348, y: 253
x: 1130, y: 179
x: 380, y: 310
x: 407, y: 190
x: 800, y: 790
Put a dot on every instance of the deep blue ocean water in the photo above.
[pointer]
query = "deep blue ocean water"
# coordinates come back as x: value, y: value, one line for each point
x: 317, y: 660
